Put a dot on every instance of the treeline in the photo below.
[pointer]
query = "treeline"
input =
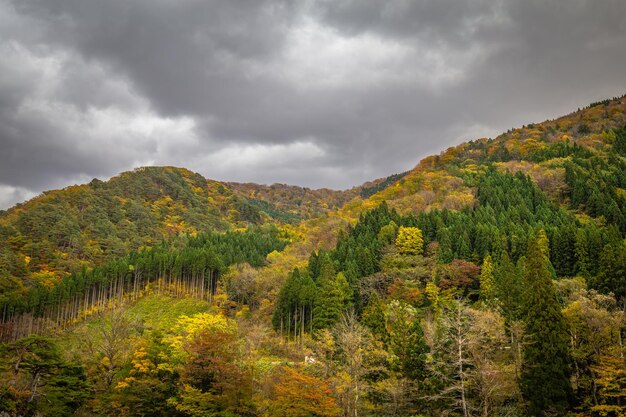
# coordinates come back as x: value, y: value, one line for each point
x: 187, y: 266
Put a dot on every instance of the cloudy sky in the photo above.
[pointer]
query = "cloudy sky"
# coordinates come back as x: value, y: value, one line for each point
x: 318, y: 93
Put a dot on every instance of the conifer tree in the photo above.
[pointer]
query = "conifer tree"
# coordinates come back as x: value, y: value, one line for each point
x: 487, y: 284
x: 331, y: 301
x: 508, y: 287
x: 545, y: 372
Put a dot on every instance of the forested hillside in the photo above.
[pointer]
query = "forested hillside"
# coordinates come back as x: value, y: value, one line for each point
x: 490, y: 280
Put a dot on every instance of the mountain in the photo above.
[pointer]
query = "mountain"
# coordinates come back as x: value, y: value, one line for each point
x: 487, y: 280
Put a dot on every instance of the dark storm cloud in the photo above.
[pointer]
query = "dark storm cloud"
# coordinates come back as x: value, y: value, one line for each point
x: 317, y: 93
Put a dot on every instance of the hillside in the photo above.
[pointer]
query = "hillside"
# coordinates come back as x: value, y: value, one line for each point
x: 542, y: 150
x: 488, y: 280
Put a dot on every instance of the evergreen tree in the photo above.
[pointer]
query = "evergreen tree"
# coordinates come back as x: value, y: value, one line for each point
x: 487, y: 284
x: 414, y: 363
x: 545, y: 372
x: 581, y: 252
x: 508, y: 287
x: 331, y: 301
x: 612, y: 270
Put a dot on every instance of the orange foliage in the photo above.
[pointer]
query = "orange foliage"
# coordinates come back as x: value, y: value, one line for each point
x: 296, y: 394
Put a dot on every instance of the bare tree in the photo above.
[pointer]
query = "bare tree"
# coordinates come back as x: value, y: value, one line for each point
x: 353, y: 341
x: 106, y: 350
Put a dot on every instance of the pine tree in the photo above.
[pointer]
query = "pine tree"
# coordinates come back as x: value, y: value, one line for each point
x: 545, y: 372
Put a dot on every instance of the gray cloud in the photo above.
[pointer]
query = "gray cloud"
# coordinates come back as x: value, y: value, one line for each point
x: 312, y: 92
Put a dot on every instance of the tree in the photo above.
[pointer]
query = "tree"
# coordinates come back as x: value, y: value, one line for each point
x: 36, y: 380
x: 332, y: 300
x: 387, y: 233
x: 546, y: 368
x: 612, y: 270
x: 595, y: 326
x: 493, y: 376
x: 509, y: 287
x: 296, y: 394
x: 406, y: 340
x: 450, y: 364
x: 106, y: 350
x: 410, y: 241
x: 487, y: 284
x: 213, y: 380
x: 354, y: 344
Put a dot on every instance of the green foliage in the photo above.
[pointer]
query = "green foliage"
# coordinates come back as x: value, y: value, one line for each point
x: 546, y: 369
x: 367, y: 192
x: 295, y: 304
x: 593, y: 186
x: 619, y: 145
x: 487, y: 281
x: 509, y: 288
x: 612, y: 270
x: 37, y: 379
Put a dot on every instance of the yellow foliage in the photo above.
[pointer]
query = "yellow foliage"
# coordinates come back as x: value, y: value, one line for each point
x: 410, y: 240
x: 46, y: 278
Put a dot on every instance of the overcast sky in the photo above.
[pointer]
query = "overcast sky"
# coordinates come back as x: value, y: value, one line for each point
x: 319, y: 93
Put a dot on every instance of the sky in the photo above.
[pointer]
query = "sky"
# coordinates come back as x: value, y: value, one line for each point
x: 316, y: 93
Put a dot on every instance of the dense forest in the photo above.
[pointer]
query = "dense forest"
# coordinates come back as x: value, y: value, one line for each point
x: 490, y: 280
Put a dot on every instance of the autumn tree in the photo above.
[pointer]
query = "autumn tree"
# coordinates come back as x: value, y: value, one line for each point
x: 354, y: 345
x: 213, y: 381
x: 294, y: 393
x: 410, y: 240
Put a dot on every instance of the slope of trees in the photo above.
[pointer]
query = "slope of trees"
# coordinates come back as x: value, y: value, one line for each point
x: 185, y: 267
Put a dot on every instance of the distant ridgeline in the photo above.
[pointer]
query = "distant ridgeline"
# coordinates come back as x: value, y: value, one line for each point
x: 185, y: 267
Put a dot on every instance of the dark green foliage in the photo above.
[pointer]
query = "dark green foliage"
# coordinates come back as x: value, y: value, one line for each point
x: 546, y: 370
x: 294, y: 308
x: 246, y: 211
x: 367, y: 192
x: 509, y: 287
x: 510, y: 207
x: 269, y: 209
x: 612, y: 270
x: 619, y: 146
x: 330, y: 303
x: 42, y: 380
x: 413, y: 356
x: 560, y: 150
x: 583, y: 129
x: 593, y: 183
